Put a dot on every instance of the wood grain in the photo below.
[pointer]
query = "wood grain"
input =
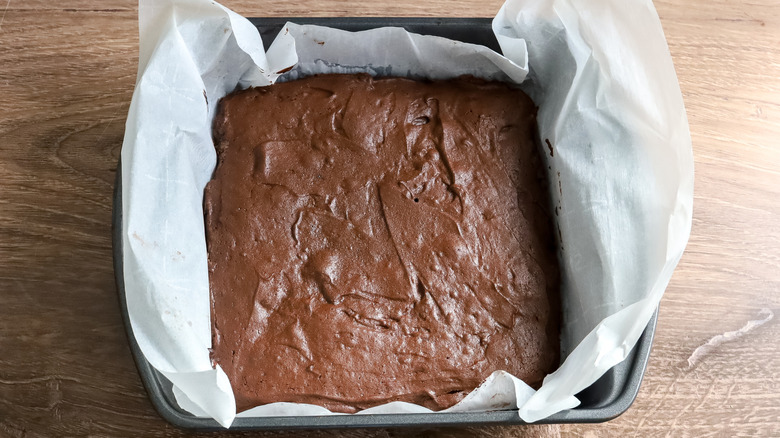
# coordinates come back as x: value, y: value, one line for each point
x: 67, y: 71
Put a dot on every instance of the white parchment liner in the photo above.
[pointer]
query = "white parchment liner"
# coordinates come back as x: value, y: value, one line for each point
x: 610, y: 105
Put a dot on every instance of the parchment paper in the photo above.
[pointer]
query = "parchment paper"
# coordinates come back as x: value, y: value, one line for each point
x: 609, y: 103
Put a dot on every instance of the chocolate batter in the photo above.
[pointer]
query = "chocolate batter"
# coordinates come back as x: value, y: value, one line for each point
x: 373, y: 240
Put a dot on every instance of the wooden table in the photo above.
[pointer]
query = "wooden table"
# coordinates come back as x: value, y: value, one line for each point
x: 67, y: 71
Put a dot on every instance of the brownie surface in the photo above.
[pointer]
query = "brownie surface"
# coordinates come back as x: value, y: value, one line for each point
x: 372, y: 240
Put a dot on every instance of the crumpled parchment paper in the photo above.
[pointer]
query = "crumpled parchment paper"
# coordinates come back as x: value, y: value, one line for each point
x: 609, y: 104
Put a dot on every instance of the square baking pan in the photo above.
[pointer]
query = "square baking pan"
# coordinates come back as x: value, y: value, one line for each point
x: 606, y: 399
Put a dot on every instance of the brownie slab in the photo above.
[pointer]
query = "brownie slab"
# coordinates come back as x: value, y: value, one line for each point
x: 373, y: 240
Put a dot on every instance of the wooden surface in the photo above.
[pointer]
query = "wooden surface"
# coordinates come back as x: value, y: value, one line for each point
x: 67, y: 71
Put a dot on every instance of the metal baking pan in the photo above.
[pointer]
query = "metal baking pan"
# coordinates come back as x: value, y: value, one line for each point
x: 606, y: 399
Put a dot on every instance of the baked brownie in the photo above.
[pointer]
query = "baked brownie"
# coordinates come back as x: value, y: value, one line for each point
x: 372, y: 240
